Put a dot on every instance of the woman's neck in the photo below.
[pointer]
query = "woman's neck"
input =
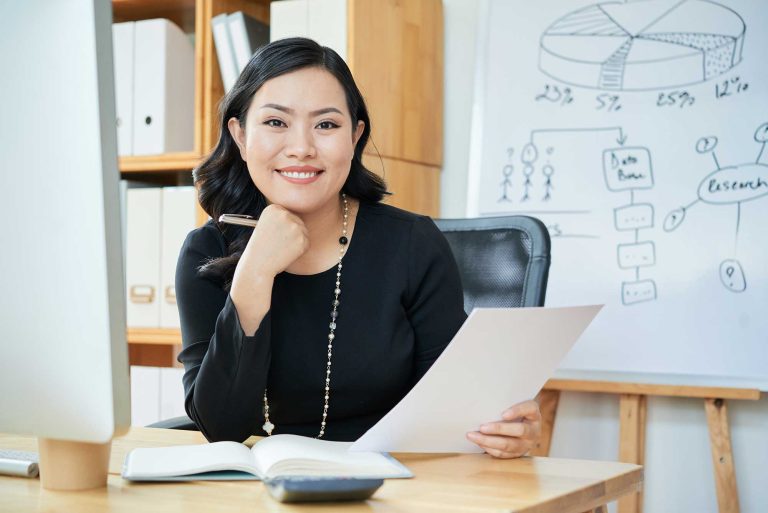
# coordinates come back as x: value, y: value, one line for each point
x: 324, y: 229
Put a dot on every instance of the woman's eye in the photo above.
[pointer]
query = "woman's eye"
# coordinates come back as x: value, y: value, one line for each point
x: 327, y: 125
x: 275, y: 123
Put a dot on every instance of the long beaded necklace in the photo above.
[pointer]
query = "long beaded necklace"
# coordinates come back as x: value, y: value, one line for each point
x: 343, y: 240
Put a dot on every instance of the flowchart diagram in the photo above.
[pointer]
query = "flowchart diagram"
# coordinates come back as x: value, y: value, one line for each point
x: 730, y: 185
x: 625, y: 169
x: 586, y: 115
x: 646, y: 45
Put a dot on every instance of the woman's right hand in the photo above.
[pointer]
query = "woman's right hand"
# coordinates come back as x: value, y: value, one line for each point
x: 278, y: 239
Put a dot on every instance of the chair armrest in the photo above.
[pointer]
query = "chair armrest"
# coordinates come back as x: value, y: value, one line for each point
x: 183, y: 422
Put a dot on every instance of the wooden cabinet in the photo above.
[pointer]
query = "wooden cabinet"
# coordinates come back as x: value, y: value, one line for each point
x: 395, y: 52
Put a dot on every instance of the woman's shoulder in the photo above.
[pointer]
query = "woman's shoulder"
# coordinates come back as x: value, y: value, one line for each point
x: 387, y: 214
x: 206, y: 239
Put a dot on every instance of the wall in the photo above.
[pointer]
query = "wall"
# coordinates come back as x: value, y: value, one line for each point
x: 679, y: 474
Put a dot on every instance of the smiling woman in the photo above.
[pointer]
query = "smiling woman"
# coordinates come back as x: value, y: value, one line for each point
x: 322, y: 317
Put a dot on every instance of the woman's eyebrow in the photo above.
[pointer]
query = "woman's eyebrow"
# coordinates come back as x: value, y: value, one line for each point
x: 288, y: 110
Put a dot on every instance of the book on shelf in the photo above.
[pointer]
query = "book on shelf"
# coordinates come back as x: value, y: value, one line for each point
x: 271, y: 457
x: 236, y: 37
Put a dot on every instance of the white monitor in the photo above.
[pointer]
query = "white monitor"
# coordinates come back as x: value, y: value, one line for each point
x: 63, y: 352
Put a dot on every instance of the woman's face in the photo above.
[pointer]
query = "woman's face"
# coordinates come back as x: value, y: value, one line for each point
x: 298, y: 140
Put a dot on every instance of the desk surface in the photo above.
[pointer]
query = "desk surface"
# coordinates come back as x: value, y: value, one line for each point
x: 443, y: 483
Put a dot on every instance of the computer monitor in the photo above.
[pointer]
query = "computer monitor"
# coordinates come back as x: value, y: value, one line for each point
x: 63, y: 353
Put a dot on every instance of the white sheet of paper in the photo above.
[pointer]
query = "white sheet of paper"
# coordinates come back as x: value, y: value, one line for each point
x: 499, y: 357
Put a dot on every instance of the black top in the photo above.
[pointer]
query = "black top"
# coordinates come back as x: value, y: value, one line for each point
x: 401, y: 303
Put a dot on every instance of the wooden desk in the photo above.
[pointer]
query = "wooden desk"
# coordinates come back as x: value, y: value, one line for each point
x: 443, y: 483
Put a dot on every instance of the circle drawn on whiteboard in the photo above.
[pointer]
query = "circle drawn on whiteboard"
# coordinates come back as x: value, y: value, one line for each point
x: 641, y: 46
x: 706, y: 144
x: 761, y: 134
x: 732, y: 276
x: 530, y: 154
x: 674, y: 219
x: 508, y: 169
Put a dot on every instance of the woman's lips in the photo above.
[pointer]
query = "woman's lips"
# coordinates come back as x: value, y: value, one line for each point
x: 300, y: 174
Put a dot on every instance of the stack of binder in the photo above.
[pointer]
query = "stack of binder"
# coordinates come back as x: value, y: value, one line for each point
x: 157, y: 220
x: 154, y: 65
x: 236, y: 36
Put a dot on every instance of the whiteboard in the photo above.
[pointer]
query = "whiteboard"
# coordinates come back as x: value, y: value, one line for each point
x: 636, y: 131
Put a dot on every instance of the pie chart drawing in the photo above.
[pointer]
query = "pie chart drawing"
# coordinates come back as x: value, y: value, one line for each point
x: 643, y: 44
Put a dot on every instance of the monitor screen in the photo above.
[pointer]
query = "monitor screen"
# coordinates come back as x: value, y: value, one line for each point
x: 63, y: 353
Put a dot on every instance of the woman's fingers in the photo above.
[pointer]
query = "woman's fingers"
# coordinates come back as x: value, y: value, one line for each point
x: 526, y: 410
x: 500, y: 446
x: 515, y: 429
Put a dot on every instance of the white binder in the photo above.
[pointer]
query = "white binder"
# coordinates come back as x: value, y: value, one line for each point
x: 325, y: 21
x: 171, y: 393
x: 145, y: 395
x: 224, y: 52
x: 246, y: 34
x: 122, y: 51
x: 178, y: 219
x: 142, y: 269
x: 288, y: 18
x: 164, y: 89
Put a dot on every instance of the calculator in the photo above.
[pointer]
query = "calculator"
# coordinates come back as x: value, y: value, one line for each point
x: 321, y: 489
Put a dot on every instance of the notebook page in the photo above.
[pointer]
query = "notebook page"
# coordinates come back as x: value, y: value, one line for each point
x: 299, y: 455
x: 187, y: 459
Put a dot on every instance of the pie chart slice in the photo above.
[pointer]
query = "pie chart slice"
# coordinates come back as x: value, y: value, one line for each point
x: 591, y: 20
x: 700, y: 17
x: 665, y: 44
x: 635, y: 16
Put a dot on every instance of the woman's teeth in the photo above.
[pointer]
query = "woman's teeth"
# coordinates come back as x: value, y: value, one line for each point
x: 296, y: 174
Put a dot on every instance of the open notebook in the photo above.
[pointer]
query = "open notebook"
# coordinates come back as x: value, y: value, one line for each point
x: 275, y: 456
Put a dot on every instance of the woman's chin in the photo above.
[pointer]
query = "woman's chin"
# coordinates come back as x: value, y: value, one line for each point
x: 299, y: 204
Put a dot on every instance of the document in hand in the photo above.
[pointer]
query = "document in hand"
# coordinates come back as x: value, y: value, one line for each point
x: 499, y: 357
x: 276, y: 456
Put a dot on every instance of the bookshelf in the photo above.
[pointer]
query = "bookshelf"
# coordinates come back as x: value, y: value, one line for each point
x: 395, y: 52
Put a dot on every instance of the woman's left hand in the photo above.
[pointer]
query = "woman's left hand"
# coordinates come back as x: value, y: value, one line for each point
x: 514, y: 435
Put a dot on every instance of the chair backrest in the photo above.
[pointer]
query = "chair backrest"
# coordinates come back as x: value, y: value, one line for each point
x: 503, y: 261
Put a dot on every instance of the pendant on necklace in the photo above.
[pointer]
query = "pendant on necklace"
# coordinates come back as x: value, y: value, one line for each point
x: 268, y: 427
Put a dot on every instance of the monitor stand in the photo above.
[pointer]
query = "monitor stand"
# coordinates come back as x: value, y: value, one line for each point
x: 67, y: 465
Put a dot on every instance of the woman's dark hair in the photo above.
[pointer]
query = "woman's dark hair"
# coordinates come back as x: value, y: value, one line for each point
x: 223, y: 182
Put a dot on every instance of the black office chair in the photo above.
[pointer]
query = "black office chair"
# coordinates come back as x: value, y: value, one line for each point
x: 503, y: 262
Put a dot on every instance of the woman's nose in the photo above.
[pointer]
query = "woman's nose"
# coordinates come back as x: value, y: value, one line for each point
x: 299, y: 143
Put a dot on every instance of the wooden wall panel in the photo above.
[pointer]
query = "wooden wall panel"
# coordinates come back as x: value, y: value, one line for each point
x: 395, y: 51
x: 415, y: 187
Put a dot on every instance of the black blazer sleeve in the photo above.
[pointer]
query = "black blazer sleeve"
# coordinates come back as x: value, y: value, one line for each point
x: 225, y: 372
x: 435, y: 298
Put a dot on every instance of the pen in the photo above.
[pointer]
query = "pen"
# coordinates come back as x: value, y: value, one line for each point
x: 239, y: 219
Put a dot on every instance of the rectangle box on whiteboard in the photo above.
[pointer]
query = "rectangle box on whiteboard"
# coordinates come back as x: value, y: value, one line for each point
x: 122, y: 52
x: 143, y: 209
x: 639, y: 254
x: 638, y: 291
x: 164, y: 89
x: 627, y: 168
x: 633, y: 217
x: 178, y: 219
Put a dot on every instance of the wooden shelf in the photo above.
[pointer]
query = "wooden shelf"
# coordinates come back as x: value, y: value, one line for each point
x: 185, y: 161
x: 154, y: 336
x: 181, y: 12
